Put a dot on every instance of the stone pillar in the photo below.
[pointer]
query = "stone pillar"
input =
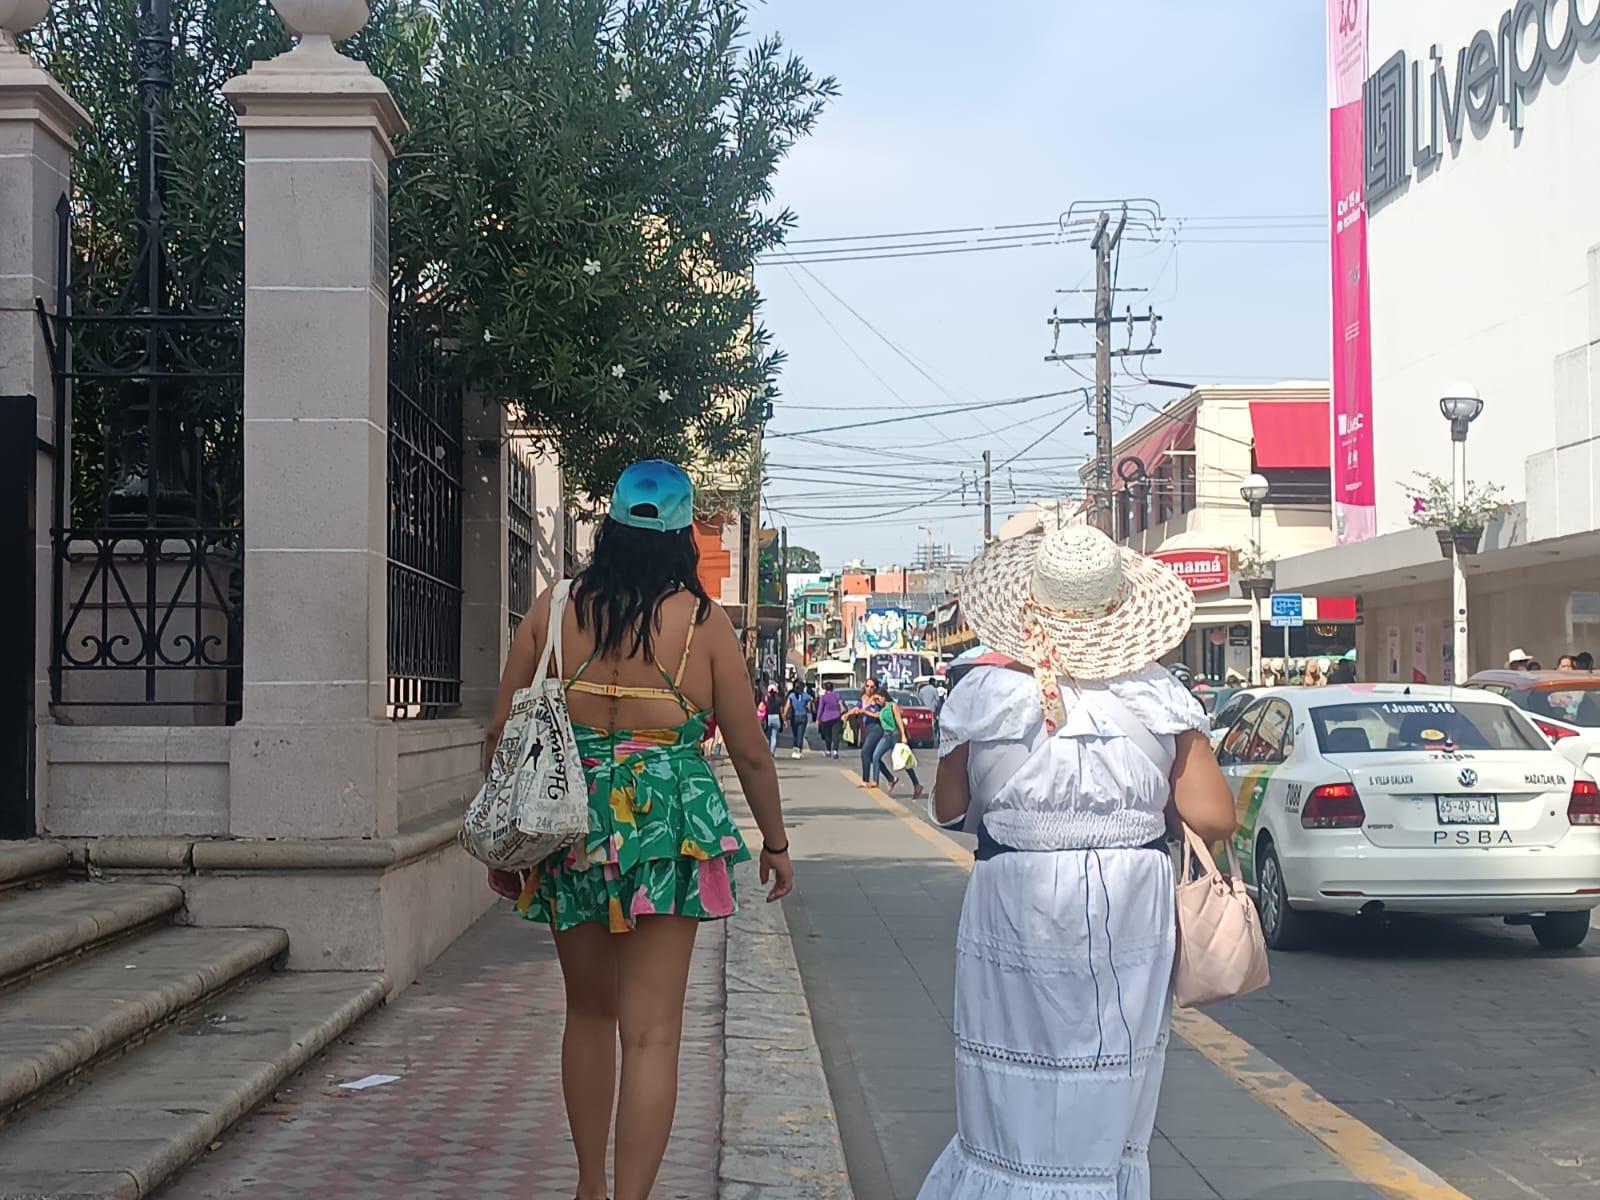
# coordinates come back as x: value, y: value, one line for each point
x: 495, y: 446
x: 38, y: 124
x: 485, y: 565
x: 314, y: 756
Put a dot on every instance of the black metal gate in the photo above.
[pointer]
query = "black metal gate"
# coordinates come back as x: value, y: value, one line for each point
x: 426, y: 394
x: 147, y: 515
x: 19, y: 447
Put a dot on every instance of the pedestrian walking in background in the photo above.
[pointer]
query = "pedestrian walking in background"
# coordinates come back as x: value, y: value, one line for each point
x: 802, y: 706
x: 773, y: 716
x: 893, y: 723
x: 625, y: 904
x: 1064, y: 954
x: 930, y: 697
x: 830, y: 719
x: 872, y: 702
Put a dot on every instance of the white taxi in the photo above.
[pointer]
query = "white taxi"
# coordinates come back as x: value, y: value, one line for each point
x: 1366, y: 798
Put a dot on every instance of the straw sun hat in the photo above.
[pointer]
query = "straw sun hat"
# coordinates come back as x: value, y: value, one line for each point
x: 1074, y: 600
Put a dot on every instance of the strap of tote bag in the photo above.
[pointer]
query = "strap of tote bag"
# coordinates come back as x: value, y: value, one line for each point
x: 559, y: 596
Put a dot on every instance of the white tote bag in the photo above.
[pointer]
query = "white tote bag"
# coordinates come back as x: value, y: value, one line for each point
x: 535, y: 801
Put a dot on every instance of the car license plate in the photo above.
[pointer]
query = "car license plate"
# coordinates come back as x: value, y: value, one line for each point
x: 1468, y: 810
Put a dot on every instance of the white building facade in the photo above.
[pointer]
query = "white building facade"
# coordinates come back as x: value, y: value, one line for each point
x: 1482, y: 164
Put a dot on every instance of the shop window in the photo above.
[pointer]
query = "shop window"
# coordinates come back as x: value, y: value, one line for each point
x: 1186, y: 483
x: 1163, y: 492
x: 1299, y: 488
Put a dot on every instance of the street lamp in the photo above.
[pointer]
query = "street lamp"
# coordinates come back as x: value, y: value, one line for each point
x: 1461, y: 406
x: 1254, y: 492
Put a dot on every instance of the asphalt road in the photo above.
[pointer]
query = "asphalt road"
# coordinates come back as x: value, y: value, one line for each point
x: 1460, y: 1041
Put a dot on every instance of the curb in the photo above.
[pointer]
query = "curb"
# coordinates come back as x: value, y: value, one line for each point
x: 780, y: 1134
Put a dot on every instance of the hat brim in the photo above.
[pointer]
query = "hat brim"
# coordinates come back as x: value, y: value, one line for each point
x: 997, y: 603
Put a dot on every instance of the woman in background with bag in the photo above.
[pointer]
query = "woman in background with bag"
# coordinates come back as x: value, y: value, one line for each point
x: 625, y: 902
x: 1064, y: 957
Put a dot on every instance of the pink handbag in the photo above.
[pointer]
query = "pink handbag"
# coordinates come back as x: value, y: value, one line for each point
x: 1221, y: 953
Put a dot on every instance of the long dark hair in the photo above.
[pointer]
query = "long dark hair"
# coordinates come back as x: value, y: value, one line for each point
x: 631, y: 572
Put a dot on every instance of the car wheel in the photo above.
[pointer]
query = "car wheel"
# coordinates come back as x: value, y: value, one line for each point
x: 1561, y: 930
x: 1281, y: 925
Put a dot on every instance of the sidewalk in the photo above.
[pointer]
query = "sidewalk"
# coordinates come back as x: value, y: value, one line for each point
x: 477, y: 1109
x: 874, y: 918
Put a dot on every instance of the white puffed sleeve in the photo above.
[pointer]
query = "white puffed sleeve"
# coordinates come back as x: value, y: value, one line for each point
x: 1160, y: 701
x: 992, y: 704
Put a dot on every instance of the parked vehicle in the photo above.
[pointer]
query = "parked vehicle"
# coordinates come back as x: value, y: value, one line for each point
x: 1563, y: 705
x: 1372, y: 798
x: 919, y: 720
x: 1231, y: 703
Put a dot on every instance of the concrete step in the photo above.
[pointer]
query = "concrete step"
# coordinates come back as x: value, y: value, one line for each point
x: 90, y: 1007
x: 40, y: 925
x: 24, y: 861
x: 130, y: 1124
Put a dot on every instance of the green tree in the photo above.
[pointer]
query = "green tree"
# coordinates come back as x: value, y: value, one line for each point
x: 582, y: 194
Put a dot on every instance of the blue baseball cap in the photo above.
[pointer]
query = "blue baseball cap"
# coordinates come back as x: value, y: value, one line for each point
x: 654, y: 494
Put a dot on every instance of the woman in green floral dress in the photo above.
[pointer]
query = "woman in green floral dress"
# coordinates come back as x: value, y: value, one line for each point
x: 625, y: 903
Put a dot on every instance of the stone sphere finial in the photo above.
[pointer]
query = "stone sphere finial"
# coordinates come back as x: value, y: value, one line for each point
x: 318, y: 23
x: 19, y: 16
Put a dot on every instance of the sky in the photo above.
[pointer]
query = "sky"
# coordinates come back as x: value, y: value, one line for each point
x: 962, y: 116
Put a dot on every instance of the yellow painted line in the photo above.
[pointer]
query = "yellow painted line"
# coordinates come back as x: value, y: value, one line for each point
x: 1370, y: 1157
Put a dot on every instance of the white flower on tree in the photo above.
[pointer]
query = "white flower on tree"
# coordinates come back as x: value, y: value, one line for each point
x: 625, y: 91
x: 591, y: 266
x: 618, y: 371
x: 664, y: 396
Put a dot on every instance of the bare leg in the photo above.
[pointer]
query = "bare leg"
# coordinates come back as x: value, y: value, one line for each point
x: 589, y: 1047
x: 653, y: 970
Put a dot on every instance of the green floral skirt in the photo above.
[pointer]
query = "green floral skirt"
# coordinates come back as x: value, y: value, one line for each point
x: 661, y: 839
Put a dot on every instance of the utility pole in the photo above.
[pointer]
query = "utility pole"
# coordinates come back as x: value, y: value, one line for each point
x: 1104, y: 239
x: 1103, y: 246
x: 783, y: 598
x: 988, y: 512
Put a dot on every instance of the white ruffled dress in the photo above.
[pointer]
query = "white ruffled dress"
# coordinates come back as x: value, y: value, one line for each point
x: 1064, y: 955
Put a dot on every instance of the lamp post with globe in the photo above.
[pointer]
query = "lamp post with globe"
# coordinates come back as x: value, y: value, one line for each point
x: 1254, y: 492
x: 1461, y: 405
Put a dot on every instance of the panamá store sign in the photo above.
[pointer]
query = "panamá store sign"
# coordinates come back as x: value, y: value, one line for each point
x: 1202, y: 570
x: 1413, y: 109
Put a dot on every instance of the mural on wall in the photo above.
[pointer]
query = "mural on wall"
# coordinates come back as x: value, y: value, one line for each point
x: 888, y: 629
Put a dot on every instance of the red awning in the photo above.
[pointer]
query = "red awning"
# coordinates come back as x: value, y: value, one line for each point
x: 1159, y: 443
x: 1291, y: 434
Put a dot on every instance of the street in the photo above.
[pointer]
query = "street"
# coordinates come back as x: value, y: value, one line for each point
x: 1459, y: 1042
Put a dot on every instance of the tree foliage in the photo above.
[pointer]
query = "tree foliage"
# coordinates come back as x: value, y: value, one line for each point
x: 583, y: 191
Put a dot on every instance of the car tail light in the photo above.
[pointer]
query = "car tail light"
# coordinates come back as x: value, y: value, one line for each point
x: 1554, y: 732
x: 1584, y: 806
x: 1333, y: 806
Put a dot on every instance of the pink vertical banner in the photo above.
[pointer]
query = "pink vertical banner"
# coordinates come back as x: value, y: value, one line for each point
x: 1355, y: 493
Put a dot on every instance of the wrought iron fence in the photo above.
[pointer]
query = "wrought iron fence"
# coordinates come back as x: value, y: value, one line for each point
x: 520, y: 527
x: 426, y: 393
x: 146, y: 528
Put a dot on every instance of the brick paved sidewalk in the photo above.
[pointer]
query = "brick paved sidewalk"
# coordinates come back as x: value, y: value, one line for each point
x: 477, y: 1111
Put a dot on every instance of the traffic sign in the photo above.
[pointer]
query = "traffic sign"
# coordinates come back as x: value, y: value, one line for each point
x: 1288, y: 610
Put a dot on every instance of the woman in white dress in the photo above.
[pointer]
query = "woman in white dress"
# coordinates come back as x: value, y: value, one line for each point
x: 1068, y: 767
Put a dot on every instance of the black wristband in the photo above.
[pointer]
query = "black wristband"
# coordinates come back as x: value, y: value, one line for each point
x: 766, y: 849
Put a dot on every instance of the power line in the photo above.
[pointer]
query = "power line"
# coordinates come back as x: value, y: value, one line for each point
x: 931, y: 413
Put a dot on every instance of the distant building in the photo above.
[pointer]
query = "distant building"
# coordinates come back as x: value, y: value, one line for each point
x: 1176, y: 497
